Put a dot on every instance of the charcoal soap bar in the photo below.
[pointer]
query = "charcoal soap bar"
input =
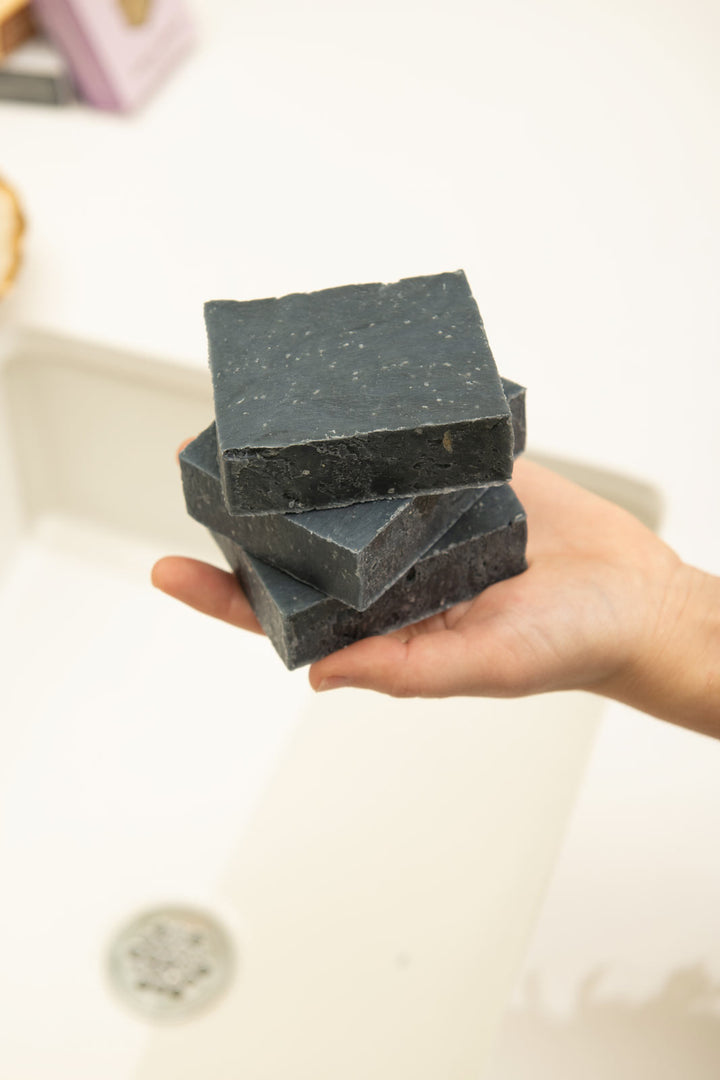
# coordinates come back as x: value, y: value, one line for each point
x: 485, y: 545
x: 353, y: 553
x: 515, y: 394
x: 355, y: 393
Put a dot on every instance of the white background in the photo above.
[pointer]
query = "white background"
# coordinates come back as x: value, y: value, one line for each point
x: 566, y: 156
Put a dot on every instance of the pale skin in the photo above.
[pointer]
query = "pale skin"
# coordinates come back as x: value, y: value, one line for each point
x: 604, y: 606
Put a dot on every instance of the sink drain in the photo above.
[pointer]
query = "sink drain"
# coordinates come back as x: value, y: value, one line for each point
x: 171, y: 962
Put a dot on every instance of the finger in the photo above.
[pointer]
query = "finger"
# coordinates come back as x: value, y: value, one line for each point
x: 206, y: 588
x: 435, y: 664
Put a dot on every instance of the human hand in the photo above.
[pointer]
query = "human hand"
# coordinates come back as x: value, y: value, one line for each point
x: 584, y: 615
x: 597, y: 609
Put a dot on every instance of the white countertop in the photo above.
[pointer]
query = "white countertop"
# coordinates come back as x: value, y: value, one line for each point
x: 567, y: 159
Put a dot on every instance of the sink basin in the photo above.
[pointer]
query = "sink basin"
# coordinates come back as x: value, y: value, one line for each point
x: 375, y: 864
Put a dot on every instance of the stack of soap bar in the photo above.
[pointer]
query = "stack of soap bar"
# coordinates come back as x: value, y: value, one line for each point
x: 484, y: 546
x: 352, y: 553
x: 355, y: 475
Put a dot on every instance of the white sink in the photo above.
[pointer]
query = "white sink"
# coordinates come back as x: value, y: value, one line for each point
x: 378, y: 864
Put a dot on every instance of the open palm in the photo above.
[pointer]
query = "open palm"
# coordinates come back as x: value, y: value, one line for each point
x: 585, y: 613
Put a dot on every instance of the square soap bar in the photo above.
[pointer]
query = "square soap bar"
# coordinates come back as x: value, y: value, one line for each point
x: 353, y: 553
x: 485, y: 545
x: 355, y: 393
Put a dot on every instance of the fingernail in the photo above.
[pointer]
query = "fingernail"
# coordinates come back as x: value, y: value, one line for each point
x: 334, y: 682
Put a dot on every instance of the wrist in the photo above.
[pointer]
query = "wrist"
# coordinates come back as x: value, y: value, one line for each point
x: 675, y: 674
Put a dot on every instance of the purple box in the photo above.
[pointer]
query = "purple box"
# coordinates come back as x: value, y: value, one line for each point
x: 118, y: 50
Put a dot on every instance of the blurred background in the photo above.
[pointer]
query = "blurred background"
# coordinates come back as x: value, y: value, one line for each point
x: 566, y: 157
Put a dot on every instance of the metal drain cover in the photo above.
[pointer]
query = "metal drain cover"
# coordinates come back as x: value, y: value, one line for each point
x: 170, y: 962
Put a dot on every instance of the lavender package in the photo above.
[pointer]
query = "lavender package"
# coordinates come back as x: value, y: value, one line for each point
x: 118, y: 50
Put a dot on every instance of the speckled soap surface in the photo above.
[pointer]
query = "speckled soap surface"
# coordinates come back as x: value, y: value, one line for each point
x: 486, y: 545
x: 352, y: 553
x: 355, y: 393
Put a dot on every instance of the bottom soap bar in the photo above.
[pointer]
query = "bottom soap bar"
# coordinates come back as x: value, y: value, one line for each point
x: 487, y: 544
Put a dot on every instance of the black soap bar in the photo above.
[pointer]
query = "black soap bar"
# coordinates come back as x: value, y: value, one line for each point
x: 355, y: 393
x: 486, y: 545
x: 515, y: 394
x: 353, y: 553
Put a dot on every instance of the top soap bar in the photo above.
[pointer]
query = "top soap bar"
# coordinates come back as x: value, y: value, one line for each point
x: 356, y: 393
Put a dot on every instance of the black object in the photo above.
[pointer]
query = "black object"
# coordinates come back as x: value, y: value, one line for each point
x: 486, y: 545
x: 356, y: 393
x: 353, y: 553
